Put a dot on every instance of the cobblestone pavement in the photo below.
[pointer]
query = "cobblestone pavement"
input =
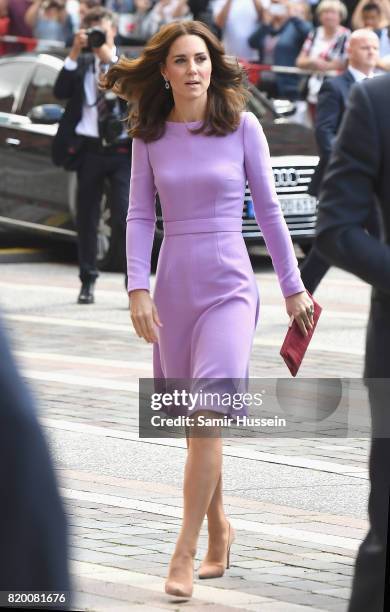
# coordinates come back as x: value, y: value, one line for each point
x: 299, y: 506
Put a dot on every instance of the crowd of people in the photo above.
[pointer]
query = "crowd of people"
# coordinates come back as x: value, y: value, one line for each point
x: 304, y: 33
x: 185, y: 79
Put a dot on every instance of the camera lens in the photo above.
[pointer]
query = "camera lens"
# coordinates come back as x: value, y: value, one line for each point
x: 96, y: 38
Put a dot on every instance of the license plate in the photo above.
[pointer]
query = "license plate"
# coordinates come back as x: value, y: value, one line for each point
x: 304, y: 205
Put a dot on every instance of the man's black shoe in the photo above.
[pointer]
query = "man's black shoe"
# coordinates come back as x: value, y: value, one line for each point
x: 86, y: 293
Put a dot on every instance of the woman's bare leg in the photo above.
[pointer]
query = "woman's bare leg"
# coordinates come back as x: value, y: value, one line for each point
x: 217, y: 523
x: 218, y: 528
x: 215, y: 513
x: 201, y: 476
x: 216, y: 518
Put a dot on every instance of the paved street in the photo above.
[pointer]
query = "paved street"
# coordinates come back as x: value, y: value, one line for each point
x: 299, y: 506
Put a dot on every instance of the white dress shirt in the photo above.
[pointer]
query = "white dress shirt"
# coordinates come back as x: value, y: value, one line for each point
x: 384, y: 44
x: 241, y: 22
x: 360, y: 76
x: 88, y: 124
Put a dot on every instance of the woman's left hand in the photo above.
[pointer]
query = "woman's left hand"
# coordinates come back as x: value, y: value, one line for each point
x: 300, y: 307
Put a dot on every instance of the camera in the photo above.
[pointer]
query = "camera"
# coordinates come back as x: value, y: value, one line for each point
x: 96, y: 38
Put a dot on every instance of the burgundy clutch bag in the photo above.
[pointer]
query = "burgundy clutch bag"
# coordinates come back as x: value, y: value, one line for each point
x: 295, y: 343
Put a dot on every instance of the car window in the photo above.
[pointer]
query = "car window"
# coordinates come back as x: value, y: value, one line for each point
x: 12, y: 78
x: 40, y: 89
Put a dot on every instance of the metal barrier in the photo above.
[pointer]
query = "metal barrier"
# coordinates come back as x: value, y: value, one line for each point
x: 30, y: 44
x: 254, y: 70
x: 35, y: 44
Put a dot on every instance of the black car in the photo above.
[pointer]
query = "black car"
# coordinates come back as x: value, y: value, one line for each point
x: 35, y: 195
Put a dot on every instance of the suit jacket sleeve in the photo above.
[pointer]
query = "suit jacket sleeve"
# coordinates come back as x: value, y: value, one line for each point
x: 328, y: 117
x: 28, y: 484
x: 267, y: 209
x: 141, y: 218
x: 348, y: 195
x: 66, y: 83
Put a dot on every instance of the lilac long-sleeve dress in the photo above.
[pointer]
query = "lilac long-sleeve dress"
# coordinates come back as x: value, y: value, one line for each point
x: 205, y: 290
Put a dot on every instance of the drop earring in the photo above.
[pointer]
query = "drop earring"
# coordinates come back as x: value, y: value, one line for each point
x: 167, y: 86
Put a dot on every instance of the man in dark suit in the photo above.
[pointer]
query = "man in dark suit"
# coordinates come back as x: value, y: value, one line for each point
x: 92, y: 140
x: 33, y: 530
x: 357, y: 177
x: 363, y: 53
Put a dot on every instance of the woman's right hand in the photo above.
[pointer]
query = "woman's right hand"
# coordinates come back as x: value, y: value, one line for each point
x: 144, y: 315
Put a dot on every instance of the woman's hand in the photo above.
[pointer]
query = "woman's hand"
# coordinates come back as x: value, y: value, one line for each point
x: 144, y: 315
x: 300, y: 307
x: 321, y: 64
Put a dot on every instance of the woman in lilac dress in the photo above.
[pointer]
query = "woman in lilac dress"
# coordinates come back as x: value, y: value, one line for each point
x: 196, y: 146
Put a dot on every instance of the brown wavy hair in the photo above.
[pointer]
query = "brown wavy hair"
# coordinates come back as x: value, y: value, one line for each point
x: 140, y: 82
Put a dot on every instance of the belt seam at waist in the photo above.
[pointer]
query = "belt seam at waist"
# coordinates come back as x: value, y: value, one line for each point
x: 203, y: 225
x: 203, y: 219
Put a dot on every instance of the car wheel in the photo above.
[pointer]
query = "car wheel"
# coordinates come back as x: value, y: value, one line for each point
x: 305, y: 247
x: 111, y: 235
x: 110, y: 238
x: 155, y: 252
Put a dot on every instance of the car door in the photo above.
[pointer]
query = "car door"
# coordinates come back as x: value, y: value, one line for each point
x: 42, y: 196
x: 14, y: 75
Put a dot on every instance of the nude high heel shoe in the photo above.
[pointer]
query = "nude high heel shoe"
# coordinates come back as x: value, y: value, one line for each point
x: 213, y: 569
x: 176, y: 587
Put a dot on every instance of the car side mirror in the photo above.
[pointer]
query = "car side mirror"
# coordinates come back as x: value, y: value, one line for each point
x: 46, y: 114
x: 285, y: 108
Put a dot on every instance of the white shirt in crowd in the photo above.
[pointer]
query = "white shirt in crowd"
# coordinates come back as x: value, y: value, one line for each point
x: 319, y: 47
x: 384, y: 43
x: 241, y: 22
x: 360, y: 76
x: 73, y: 10
x: 88, y: 124
x: 321, y: 43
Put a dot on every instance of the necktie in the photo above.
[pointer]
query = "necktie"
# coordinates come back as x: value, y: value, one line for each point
x: 109, y: 117
x: 102, y: 105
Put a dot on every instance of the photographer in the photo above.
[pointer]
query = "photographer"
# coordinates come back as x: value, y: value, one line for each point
x: 92, y: 139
